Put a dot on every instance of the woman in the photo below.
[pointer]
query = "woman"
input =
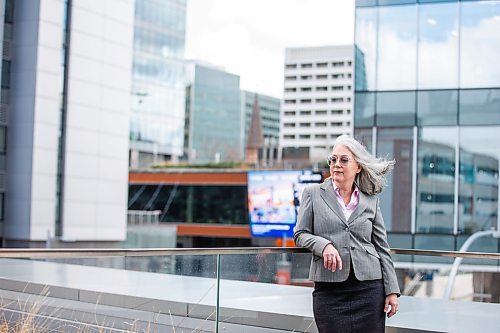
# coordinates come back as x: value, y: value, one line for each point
x: 341, y: 223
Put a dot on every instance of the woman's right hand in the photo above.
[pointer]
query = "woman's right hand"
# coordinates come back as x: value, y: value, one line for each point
x: 331, y: 258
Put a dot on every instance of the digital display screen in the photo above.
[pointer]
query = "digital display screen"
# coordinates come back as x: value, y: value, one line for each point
x: 274, y: 199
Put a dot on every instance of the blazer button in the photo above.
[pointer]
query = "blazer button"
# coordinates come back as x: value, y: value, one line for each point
x: 347, y: 229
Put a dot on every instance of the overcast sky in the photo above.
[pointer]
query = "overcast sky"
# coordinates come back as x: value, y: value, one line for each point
x: 249, y: 37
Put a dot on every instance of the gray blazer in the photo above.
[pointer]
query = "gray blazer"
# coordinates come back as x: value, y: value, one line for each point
x: 361, y: 240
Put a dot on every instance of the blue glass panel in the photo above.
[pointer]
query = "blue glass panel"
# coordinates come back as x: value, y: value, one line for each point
x: 395, y: 200
x: 437, y: 107
x: 438, y: 35
x: 397, y: 48
x: 365, y: 48
x: 364, y: 3
x: 364, y: 109
x: 400, y: 241
x: 395, y: 108
x: 479, y: 107
x: 479, y: 178
x: 434, y: 242
x: 479, y: 44
x: 436, y: 179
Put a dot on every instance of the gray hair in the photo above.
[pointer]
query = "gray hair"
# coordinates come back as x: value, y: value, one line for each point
x: 371, y: 179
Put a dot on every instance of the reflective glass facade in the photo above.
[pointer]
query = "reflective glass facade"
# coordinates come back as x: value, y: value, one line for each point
x: 216, y: 120
x: 158, y: 93
x: 428, y: 94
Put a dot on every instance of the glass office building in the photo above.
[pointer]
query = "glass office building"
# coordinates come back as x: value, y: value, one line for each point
x: 157, y: 121
x: 214, y: 117
x: 428, y: 94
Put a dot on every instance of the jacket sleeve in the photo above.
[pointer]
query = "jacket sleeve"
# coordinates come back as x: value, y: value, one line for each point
x: 379, y: 240
x: 304, y: 230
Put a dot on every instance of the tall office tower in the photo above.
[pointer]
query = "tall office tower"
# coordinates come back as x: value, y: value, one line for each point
x: 428, y: 95
x: 317, y: 102
x: 67, y: 136
x: 158, y: 82
x: 214, y: 117
x: 269, y: 108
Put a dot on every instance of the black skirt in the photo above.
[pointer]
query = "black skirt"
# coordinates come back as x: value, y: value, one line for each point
x: 351, y: 306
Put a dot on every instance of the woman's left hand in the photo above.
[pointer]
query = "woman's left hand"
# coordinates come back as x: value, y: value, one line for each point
x: 392, y: 301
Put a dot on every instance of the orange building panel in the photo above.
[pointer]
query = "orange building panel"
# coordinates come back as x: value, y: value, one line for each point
x: 209, y: 230
x: 198, y: 178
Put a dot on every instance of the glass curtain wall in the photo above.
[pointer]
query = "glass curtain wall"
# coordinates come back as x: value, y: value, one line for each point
x: 427, y: 85
x: 158, y: 92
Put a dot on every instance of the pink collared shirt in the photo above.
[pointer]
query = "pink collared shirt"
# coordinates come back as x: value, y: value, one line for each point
x: 351, y: 206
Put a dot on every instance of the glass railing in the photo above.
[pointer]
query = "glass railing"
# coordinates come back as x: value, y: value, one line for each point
x: 226, y: 290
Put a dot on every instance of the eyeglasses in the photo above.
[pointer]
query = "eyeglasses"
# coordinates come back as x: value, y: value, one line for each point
x: 343, y: 160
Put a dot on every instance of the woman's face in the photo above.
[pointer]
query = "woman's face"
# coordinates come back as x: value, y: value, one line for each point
x: 343, y: 167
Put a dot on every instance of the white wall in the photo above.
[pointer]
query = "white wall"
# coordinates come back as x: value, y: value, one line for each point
x: 34, y: 119
x: 97, y: 141
x: 96, y: 155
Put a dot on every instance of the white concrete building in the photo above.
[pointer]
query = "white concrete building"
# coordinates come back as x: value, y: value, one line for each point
x: 317, y: 101
x: 69, y: 114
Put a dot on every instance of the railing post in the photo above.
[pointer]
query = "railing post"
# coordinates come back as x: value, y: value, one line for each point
x: 217, y: 309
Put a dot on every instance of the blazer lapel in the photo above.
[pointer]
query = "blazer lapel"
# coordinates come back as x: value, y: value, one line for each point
x: 362, y: 205
x: 328, y: 196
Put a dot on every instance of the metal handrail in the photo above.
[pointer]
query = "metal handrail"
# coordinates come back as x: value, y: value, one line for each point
x: 147, y: 252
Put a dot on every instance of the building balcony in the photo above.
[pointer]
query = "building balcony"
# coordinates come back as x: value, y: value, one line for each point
x: 222, y: 290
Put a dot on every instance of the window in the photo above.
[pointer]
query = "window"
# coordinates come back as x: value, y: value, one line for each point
x: 290, y: 89
x: 396, y: 109
x: 289, y: 136
x: 337, y: 76
x: 291, y: 66
x: 289, y: 125
x: 321, y: 124
x: 338, y: 100
x: 337, y: 88
x: 479, y: 178
x: 338, y: 64
x: 349, y: 87
x: 290, y: 78
x: 320, y: 112
x: 349, y: 63
x: 321, y: 88
x: 305, y: 124
x: 320, y: 136
x: 306, y: 77
x: 321, y: 100
x: 479, y: 107
x: 290, y: 101
x: 5, y: 74
x: 322, y: 64
x: 436, y: 179
x: 305, y: 101
x: 336, y: 111
x: 349, y: 75
x: 336, y: 123
x: 305, y: 113
x: 289, y: 113
x: 305, y: 89
x: 321, y: 77
x: 309, y: 65
x: 304, y: 136
x: 437, y: 107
